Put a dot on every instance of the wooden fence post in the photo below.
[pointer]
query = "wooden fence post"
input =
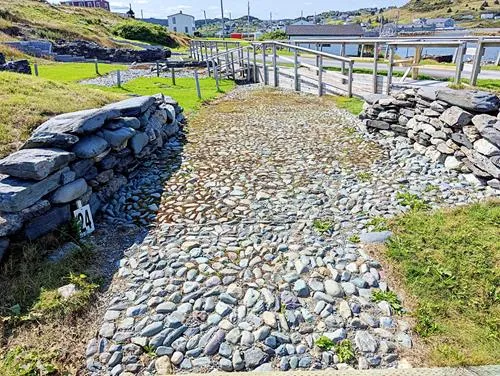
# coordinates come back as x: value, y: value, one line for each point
x: 35, y: 66
x: 157, y: 69
x: 349, y: 83
x: 320, y: 75
x: 264, y: 63
x: 375, y: 68
x: 275, y: 67
x: 197, y: 81
x: 216, y: 75
x: 476, y: 66
x: 296, y: 81
x: 173, y: 76
x: 96, y: 63
x: 389, y: 70
x: 459, y: 61
x: 118, y: 78
x: 249, y: 69
x: 255, y: 76
x: 232, y: 65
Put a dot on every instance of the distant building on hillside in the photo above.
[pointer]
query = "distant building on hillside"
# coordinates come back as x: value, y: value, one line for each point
x: 438, y: 23
x: 296, y: 32
x: 301, y: 22
x: 181, y: 23
x: 103, y: 4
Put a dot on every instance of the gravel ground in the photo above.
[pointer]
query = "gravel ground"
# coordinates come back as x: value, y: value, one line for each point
x: 109, y: 79
x: 233, y: 273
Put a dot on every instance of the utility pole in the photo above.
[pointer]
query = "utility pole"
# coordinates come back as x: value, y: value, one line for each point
x: 205, y: 15
x: 222, y: 18
x: 142, y: 14
x: 248, y: 16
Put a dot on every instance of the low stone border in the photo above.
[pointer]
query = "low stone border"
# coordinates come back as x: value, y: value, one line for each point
x: 84, y: 156
x: 459, y: 128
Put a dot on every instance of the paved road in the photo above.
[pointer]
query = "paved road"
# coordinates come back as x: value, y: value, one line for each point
x: 448, y: 73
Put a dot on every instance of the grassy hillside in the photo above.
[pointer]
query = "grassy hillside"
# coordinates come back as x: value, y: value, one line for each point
x: 455, y: 9
x: 35, y: 19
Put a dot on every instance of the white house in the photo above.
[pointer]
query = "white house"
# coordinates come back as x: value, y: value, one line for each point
x: 181, y: 23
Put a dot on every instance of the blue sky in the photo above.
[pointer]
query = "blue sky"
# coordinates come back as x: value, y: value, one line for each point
x: 238, y: 8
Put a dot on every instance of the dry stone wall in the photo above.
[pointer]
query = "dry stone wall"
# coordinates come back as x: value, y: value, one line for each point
x: 83, y: 156
x: 458, y: 128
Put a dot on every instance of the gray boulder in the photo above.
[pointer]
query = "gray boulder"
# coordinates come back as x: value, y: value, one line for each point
x: 69, y: 192
x: 132, y: 107
x: 9, y: 224
x: 427, y: 93
x: 35, y: 164
x: 485, y: 147
x: 374, y: 98
x: 456, y: 117
x: 471, y: 100
x: 483, y: 121
x: 375, y: 237
x: 116, y: 138
x: 48, y: 222
x: 90, y: 147
x: 138, y: 142
x: 379, y: 124
x: 79, y: 123
x: 81, y: 167
x: 17, y: 194
x: 51, y: 140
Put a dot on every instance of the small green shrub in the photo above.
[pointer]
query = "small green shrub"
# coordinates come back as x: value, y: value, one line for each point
x: 325, y: 343
x: 390, y: 297
x: 21, y: 361
x: 274, y: 35
x: 378, y: 223
x: 365, y: 176
x: 354, y: 238
x: 144, y: 32
x: 345, y: 351
x: 411, y: 200
x: 323, y: 226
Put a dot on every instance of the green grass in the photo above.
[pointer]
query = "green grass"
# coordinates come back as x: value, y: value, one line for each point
x: 449, y: 261
x: 491, y: 67
x: 27, y: 101
x: 353, y: 105
x: 411, y: 200
x: 323, y: 226
x: 74, y: 72
x: 184, y: 91
x: 389, y: 297
x: 21, y: 361
x: 489, y: 84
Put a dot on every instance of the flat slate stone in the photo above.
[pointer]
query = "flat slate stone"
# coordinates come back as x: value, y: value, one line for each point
x: 138, y: 142
x: 117, y: 137
x: 47, y: 222
x: 17, y: 194
x: 10, y: 223
x: 70, y: 192
x: 133, y: 106
x: 4, y: 244
x: 375, y: 237
x: 35, y: 164
x: 51, y: 140
x: 79, y: 123
x: 123, y: 122
x: 471, y: 100
x: 90, y: 147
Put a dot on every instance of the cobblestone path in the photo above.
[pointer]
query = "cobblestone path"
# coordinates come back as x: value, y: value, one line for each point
x: 248, y: 260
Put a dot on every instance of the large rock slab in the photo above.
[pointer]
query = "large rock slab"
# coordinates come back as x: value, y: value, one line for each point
x: 51, y: 140
x: 79, y: 123
x: 456, y: 117
x: 116, y: 138
x: 48, y: 222
x: 123, y: 122
x: 482, y: 162
x: 35, y: 164
x: 427, y: 93
x: 132, y: 107
x: 471, y: 100
x: 138, y: 142
x: 374, y: 98
x: 69, y: 192
x: 17, y: 194
x: 90, y: 147
x: 483, y: 121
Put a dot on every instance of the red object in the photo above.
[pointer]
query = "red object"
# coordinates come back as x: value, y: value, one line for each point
x: 236, y: 36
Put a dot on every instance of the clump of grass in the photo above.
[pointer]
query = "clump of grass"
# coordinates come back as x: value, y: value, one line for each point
x: 325, y: 343
x: 323, y: 226
x: 365, y: 176
x: 354, y: 238
x: 449, y: 262
x: 51, y: 304
x: 389, y: 297
x: 22, y: 361
x: 411, y: 200
x: 378, y: 223
x: 431, y: 188
x: 353, y: 105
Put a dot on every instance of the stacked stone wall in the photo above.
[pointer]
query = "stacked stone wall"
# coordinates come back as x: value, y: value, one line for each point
x: 458, y: 128
x: 83, y: 157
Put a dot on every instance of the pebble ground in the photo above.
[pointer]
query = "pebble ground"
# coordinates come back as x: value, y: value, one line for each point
x: 250, y: 256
